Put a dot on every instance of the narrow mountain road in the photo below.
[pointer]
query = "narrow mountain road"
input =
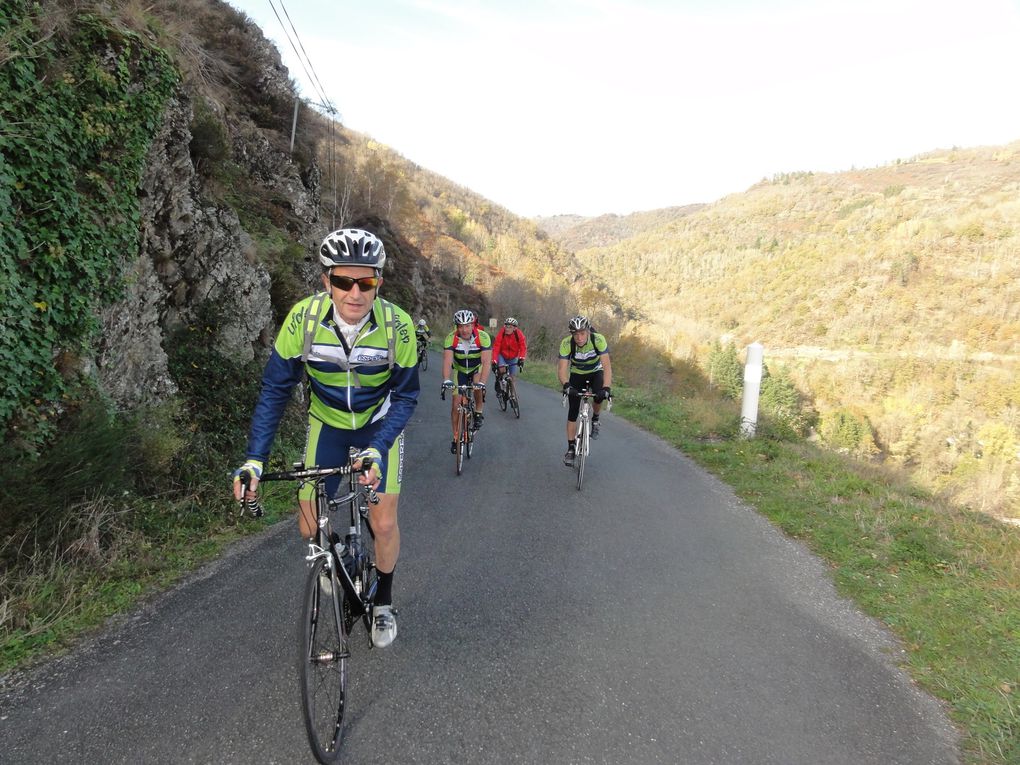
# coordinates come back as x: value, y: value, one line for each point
x: 650, y: 618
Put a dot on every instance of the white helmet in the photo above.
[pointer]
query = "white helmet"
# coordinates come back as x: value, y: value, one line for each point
x: 464, y: 316
x: 578, y: 323
x: 511, y: 322
x: 352, y: 247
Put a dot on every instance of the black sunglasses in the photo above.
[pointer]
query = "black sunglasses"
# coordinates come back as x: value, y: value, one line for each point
x: 346, y: 283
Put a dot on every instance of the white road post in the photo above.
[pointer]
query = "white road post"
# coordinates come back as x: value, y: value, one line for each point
x: 752, y: 386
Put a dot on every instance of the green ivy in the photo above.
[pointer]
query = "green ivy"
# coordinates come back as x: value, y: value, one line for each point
x: 77, y: 116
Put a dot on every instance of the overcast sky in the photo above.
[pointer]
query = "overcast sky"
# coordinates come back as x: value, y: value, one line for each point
x: 598, y: 106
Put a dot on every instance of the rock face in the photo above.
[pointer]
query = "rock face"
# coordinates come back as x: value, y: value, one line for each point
x: 193, y: 254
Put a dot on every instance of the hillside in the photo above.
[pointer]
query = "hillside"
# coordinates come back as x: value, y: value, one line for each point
x: 576, y: 232
x: 893, y: 294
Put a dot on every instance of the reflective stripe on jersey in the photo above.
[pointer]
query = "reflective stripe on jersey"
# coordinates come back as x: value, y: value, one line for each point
x: 588, y: 357
x: 467, y: 354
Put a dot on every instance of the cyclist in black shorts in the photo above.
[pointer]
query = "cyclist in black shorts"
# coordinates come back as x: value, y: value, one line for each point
x: 584, y: 363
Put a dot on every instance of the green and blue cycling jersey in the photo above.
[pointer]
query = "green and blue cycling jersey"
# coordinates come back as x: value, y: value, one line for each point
x: 467, y: 354
x: 350, y: 388
x: 586, y: 359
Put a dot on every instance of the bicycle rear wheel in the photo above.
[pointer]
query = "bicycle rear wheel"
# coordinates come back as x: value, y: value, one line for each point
x: 322, y: 663
x: 581, y: 452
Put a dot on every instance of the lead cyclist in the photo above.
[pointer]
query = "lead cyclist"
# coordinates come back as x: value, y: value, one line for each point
x: 362, y: 368
x: 583, y: 362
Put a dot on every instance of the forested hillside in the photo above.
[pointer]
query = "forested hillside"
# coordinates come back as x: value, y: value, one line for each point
x: 892, y: 294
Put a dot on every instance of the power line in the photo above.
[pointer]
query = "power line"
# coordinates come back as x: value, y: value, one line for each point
x: 312, y: 80
x: 307, y: 58
x: 317, y: 86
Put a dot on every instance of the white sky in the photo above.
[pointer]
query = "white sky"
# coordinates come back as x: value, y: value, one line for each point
x: 597, y: 106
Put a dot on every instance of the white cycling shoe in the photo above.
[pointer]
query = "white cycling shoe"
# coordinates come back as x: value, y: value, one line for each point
x: 384, y: 626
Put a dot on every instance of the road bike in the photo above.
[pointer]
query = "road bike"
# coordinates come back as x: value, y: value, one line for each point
x: 506, y: 392
x: 582, y: 443
x: 464, y: 435
x: 423, y: 354
x: 338, y: 592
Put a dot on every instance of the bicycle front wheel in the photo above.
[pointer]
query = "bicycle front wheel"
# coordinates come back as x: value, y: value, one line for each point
x: 581, y: 452
x: 461, y: 443
x: 515, y: 404
x: 424, y: 361
x: 322, y: 663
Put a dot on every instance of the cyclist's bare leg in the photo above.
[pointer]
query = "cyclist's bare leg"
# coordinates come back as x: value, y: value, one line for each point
x: 479, y: 401
x: 383, y: 518
x: 454, y: 414
x: 306, y: 518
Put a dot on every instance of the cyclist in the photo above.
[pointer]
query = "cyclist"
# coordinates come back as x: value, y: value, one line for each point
x: 361, y: 366
x: 422, y: 334
x: 468, y: 351
x: 584, y: 362
x: 509, y: 348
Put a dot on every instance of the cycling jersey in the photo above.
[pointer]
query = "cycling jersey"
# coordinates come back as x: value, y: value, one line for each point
x: 467, y: 354
x: 350, y: 386
x: 586, y: 358
x: 509, y: 345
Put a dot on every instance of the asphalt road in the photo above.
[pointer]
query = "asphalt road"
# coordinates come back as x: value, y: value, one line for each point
x: 650, y: 618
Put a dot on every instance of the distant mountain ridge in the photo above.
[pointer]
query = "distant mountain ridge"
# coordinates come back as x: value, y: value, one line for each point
x: 919, y: 253
x: 577, y: 232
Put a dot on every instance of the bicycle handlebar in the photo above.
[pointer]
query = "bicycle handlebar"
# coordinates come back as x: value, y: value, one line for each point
x: 586, y: 393
x: 318, y: 474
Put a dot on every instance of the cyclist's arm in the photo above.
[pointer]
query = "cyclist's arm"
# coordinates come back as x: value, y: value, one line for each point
x: 403, y: 400
x: 486, y: 366
x: 563, y: 371
x: 603, y: 350
x: 447, y: 363
x: 497, y: 341
x: 278, y: 381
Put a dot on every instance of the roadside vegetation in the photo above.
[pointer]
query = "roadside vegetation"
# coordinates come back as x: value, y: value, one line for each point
x: 946, y: 581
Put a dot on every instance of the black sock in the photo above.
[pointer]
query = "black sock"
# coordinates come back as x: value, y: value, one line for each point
x: 384, y: 589
x: 594, y: 418
x: 570, y: 445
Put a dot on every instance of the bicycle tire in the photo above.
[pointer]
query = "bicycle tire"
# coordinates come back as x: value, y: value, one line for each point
x: 581, y: 452
x: 470, y: 443
x: 460, y: 443
x: 501, y: 397
x: 424, y: 361
x: 323, y: 653
x: 515, y: 404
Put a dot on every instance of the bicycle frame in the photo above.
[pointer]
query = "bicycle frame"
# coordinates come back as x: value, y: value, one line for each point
x: 582, y: 436
x: 328, y: 543
x: 465, y: 433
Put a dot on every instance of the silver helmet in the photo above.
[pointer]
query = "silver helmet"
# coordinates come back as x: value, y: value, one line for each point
x: 352, y: 247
